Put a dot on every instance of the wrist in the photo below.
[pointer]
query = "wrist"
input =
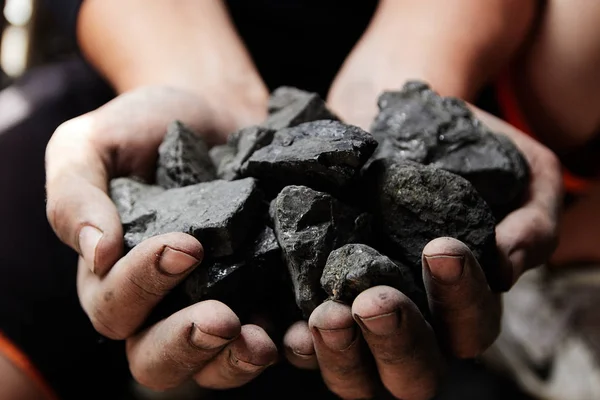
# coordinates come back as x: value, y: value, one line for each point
x: 235, y: 106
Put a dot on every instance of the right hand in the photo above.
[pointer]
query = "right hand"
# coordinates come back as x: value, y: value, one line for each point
x: 205, y: 341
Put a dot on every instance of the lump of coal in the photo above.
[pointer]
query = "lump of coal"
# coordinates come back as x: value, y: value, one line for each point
x: 183, y: 159
x: 309, y: 225
x: 218, y: 213
x: 242, y: 145
x: 419, y: 125
x: 241, y: 277
x: 289, y: 107
x: 414, y: 204
x: 354, y: 268
x: 325, y: 155
x: 219, y: 153
x: 125, y: 192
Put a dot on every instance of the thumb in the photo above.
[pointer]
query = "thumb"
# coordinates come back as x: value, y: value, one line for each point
x: 78, y: 207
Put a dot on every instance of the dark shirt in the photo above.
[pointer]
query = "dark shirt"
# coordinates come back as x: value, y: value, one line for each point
x: 292, y: 42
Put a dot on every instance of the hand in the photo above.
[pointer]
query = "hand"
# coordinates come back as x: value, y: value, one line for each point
x: 406, y: 353
x: 204, y: 341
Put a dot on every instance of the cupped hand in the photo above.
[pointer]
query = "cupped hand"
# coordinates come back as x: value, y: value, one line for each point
x: 205, y: 341
x: 382, y: 342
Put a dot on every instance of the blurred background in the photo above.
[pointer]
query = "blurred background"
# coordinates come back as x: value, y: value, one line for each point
x: 30, y: 37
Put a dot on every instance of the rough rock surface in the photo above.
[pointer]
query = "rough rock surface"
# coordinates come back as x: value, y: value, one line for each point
x: 354, y: 268
x: 219, y: 153
x: 414, y: 204
x: 242, y: 144
x: 126, y: 192
x: 309, y: 225
x: 228, y: 279
x: 183, y: 159
x: 419, y: 125
x: 325, y: 155
x: 218, y: 213
x: 289, y: 107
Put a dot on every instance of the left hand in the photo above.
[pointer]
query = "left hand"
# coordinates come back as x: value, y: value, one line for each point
x: 408, y: 352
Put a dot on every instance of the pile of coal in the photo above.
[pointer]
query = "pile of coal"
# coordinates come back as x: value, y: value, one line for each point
x: 307, y: 207
x: 419, y: 125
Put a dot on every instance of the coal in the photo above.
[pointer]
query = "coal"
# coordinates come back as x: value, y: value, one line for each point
x: 290, y: 106
x: 354, y: 268
x: 126, y: 192
x: 414, y: 204
x: 221, y: 152
x: 218, y: 213
x: 309, y: 225
x: 232, y: 279
x: 324, y: 155
x: 417, y: 124
x: 304, y: 207
x: 183, y: 158
x: 242, y: 144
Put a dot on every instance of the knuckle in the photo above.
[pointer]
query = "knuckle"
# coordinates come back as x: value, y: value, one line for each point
x: 551, y: 161
x: 476, y: 348
x: 546, y: 229
x: 62, y: 219
x: 147, y: 286
x: 145, y: 379
x: 104, y: 326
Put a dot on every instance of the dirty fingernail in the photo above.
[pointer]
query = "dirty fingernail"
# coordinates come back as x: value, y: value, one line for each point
x: 205, y: 340
x: 245, y: 366
x: 446, y: 269
x: 337, y: 339
x: 175, y: 262
x: 89, y: 237
x: 381, y: 325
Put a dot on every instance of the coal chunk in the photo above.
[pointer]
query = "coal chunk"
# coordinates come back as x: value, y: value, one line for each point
x: 241, y: 277
x: 414, y: 204
x: 218, y: 213
x: 419, y: 125
x: 309, y: 225
x: 325, y: 155
x: 183, y: 158
x: 125, y: 192
x: 289, y: 106
x: 242, y: 145
x: 219, y: 153
x: 354, y: 268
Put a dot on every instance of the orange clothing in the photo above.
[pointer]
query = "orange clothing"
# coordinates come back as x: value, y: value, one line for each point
x: 511, y: 113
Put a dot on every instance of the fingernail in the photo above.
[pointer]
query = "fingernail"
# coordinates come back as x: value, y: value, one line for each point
x: 175, y: 262
x: 337, y: 339
x: 89, y: 237
x: 446, y: 269
x: 206, y: 341
x: 381, y: 325
x: 245, y: 366
x: 302, y: 355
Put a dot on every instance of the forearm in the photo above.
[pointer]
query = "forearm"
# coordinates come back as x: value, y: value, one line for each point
x: 186, y: 44
x: 455, y: 45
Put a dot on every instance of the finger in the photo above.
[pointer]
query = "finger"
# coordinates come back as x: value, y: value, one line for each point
x: 528, y: 236
x: 298, y: 346
x: 404, y: 347
x: 337, y: 344
x: 466, y: 312
x: 243, y: 360
x: 171, y: 351
x: 78, y: 208
x: 120, y: 302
